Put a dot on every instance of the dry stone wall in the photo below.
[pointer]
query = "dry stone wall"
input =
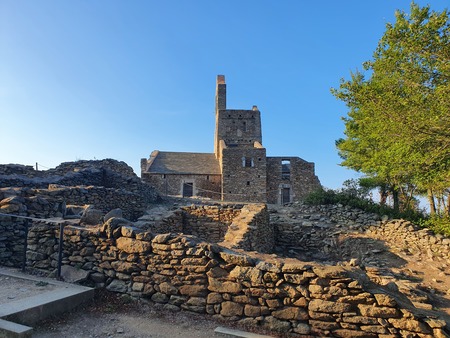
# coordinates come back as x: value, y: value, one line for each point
x: 12, y: 241
x: 46, y: 203
x: 413, y: 239
x: 182, y: 272
x: 315, y: 228
x: 106, y: 173
x: 210, y: 223
x: 251, y: 230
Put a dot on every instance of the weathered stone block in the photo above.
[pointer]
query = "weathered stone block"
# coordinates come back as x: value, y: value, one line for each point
x: 318, y: 305
x: 230, y: 309
x: 378, y: 312
x: 131, y: 245
x: 273, y: 324
x: 223, y: 287
x: 410, y: 325
x: 168, y: 288
x: 247, y: 273
x: 353, y: 334
x: 194, y: 290
x: 159, y: 297
x: 329, y: 271
x: 385, y: 300
x: 117, y: 286
x: 291, y: 313
x: 214, y: 298
x: 252, y: 310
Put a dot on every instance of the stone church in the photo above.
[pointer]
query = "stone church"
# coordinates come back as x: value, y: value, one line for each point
x: 238, y: 170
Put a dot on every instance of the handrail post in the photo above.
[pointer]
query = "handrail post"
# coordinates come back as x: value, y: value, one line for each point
x: 25, y: 246
x: 60, y: 249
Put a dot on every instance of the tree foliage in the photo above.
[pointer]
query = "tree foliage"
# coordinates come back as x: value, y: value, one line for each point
x: 398, y: 124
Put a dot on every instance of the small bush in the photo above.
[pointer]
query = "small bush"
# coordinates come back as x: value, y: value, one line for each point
x: 329, y: 196
x: 440, y: 225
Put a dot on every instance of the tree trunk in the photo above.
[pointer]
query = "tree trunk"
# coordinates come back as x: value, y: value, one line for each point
x: 383, y: 196
x: 431, y: 202
x: 396, y: 199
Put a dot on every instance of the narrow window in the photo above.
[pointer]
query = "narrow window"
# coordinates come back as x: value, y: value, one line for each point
x: 247, y: 162
x: 286, y: 169
x: 244, y: 126
x: 248, y: 182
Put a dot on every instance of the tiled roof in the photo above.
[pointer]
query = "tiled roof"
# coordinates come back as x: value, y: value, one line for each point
x: 166, y: 162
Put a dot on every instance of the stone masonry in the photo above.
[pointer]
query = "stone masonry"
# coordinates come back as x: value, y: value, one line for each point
x: 239, y: 169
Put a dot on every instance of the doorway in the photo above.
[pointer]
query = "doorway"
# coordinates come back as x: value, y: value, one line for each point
x: 285, y: 195
x: 188, y: 189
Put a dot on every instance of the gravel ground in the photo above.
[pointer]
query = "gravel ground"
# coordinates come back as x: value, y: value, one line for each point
x: 112, y: 315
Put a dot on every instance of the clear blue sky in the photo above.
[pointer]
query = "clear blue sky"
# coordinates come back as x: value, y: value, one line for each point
x: 118, y: 79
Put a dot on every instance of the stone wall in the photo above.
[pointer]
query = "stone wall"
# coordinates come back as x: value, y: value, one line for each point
x: 251, y: 230
x: 12, y: 241
x: 182, y: 272
x: 413, y: 239
x: 301, y: 179
x: 242, y: 183
x: 47, y: 203
x: 244, y: 227
x: 209, y: 223
x: 207, y: 186
x: 106, y: 173
x: 17, y: 169
x: 119, y: 167
x: 315, y: 228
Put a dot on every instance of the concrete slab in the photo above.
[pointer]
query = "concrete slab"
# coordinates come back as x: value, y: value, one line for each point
x: 13, y: 330
x: 226, y: 332
x: 40, y: 305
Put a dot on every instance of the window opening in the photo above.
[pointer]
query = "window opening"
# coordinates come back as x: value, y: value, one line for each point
x: 248, y: 182
x: 247, y: 162
x: 244, y: 126
x: 286, y: 169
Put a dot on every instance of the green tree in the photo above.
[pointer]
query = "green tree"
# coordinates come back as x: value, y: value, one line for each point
x: 398, y: 124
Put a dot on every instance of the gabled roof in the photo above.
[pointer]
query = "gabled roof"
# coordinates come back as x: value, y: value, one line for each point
x: 166, y: 162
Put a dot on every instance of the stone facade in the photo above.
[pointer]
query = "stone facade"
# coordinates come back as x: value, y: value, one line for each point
x: 239, y: 162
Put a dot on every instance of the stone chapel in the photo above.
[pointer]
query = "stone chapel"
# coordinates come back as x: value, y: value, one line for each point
x: 238, y: 170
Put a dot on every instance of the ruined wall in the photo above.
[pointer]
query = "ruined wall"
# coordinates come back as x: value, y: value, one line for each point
x: 207, y: 186
x: 107, y: 173
x: 413, y: 238
x: 316, y: 228
x: 302, y: 179
x: 46, y: 203
x: 17, y: 169
x: 242, y: 183
x: 12, y: 241
x: 209, y: 223
x: 119, y: 167
x: 251, y: 230
x: 281, y: 295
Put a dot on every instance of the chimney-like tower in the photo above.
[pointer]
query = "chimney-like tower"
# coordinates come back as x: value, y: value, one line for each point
x: 221, y: 104
x: 221, y: 93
